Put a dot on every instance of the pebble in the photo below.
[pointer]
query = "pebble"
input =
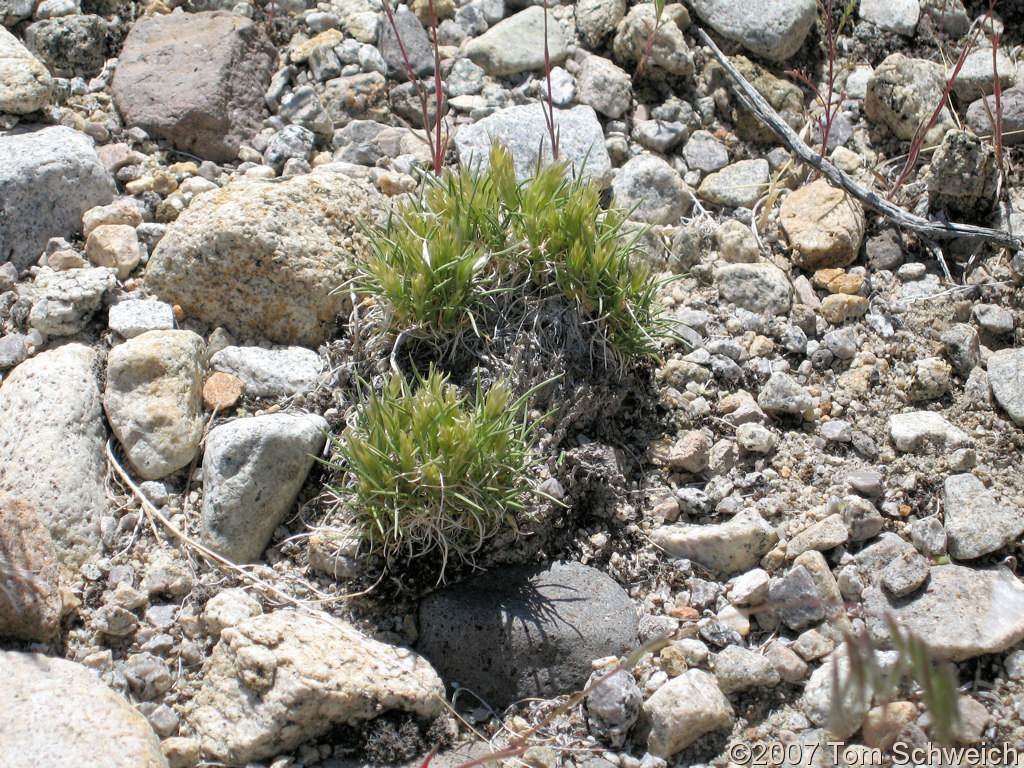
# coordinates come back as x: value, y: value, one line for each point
x: 782, y: 395
x: 652, y: 190
x: 822, y: 535
x: 976, y: 523
x: 755, y: 287
x: 736, y: 243
x: 740, y: 184
x: 824, y: 225
x: 917, y: 430
x: 930, y: 379
x: 737, y: 669
x: 929, y: 536
x: 596, y: 20
x: 862, y: 518
x: 669, y: 50
x: 604, y: 86
x: 756, y: 438
x: 732, y: 547
x: 517, y: 44
x: 774, y: 30
x: 903, y: 93
x: 993, y: 318
x: 152, y: 399
x: 796, y: 598
x: 905, y: 574
x: 899, y: 16
x: 683, y: 710
x: 613, y: 706
x: 705, y: 153
x: 963, y: 347
x: 791, y: 668
x: 277, y: 372
x: 750, y: 588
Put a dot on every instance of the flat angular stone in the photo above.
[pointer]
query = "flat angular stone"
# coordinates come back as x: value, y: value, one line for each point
x: 270, y: 372
x: 517, y: 44
x: 196, y: 80
x: 976, y: 523
x: 774, y: 29
x: 731, y: 547
x: 684, y: 709
x: 962, y: 612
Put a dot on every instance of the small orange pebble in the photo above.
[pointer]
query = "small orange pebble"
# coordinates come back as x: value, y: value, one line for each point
x: 221, y: 391
x: 179, y: 313
x: 785, y: 472
x: 905, y: 510
x: 684, y: 612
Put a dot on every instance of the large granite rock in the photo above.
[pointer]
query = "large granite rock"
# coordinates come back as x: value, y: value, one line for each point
x: 52, y: 439
x: 524, y: 131
x: 24, y: 81
x: 962, y: 612
x: 30, y: 599
x: 277, y: 680
x: 774, y: 29
x: 262, y: 257
x: 196, y: 80
x: 153, y: 399
x: 526, y: 631
x: 53, y: 169
x: 252, y: 472
x: 56, y: 713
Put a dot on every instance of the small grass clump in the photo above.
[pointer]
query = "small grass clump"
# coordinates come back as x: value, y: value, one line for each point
x: 440, y: 261
x: 429, y: 471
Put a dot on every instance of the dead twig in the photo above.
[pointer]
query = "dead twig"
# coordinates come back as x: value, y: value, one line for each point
x: 764, y: 112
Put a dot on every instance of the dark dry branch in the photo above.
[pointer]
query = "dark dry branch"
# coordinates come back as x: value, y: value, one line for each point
x: 767, y: 115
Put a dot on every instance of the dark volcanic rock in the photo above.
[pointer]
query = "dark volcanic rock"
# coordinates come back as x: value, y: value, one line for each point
x: 527, y: 630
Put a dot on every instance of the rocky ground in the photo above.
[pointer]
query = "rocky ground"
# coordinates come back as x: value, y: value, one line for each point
x: 832, y: 436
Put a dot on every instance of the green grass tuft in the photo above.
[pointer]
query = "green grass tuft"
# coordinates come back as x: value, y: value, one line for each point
x: 430, y: 471
x: 469, y: 236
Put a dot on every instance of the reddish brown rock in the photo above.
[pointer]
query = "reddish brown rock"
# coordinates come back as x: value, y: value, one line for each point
x: 30, y: 601
x: 196, y: 80
x: 221, y: 391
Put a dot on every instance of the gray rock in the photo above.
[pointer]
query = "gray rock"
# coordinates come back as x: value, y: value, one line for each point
x: 415, y: 41
x: 740, y: 184
x: 277, y: 680
x: 613, y: 706
x: 781, y: 394
x: 70, y: 46
x: 563, y: 87
x: 903, y: 93
x: 871, y: 560
x: 993, y: 318
x: 832, y: 679
x: 293, y: 141
x: 1006, y: 374
x: 732, y: 547
x: 12, y: 351
x: 755, y: 287
x: 653, y: 190
x: 963, y: 347
x: 270, y: 372
x: 963, y: 176
x: 837, y: 431
x: 523, y: 131
x: 962, y: 613
x: 976, y: 523
x: 737, y: 669
x: 253, y: 469
x: 705, y: 153
x: 754, y: 438
x: 53, y: 169
x: 57, y: 712
x: 26, y: 83
x: 797, y: 599
x: 228, y: 608
x: 774, y: 29
x: 153, y: 399
x: 303, y: 107
x: 64, y: 302
x: 214, y: 70
x: 262, y: 258
x: 929, y: 536
x: 13, y: 11
x: 604, y: 86
x: 905, y: 574
x: 1012, y: 105
x: 842, y: 342
x: 862, y: 519
x: 930, y: 379
x: 669, y: 51
x: 517, y: 44
x: 899, y: 16
x: 750, y: 588
x: 924, y: 429
x: 136, y: 316
x: 658, y: 135
x: 527, y: 630
x: 820, y: 536
x: 976, y: 78
x: 50, y: 410
x: 683, y: 710
x: 596, y: 20
x: 465, y: 79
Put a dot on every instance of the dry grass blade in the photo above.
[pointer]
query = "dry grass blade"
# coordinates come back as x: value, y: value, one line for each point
x: 767, y: 115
